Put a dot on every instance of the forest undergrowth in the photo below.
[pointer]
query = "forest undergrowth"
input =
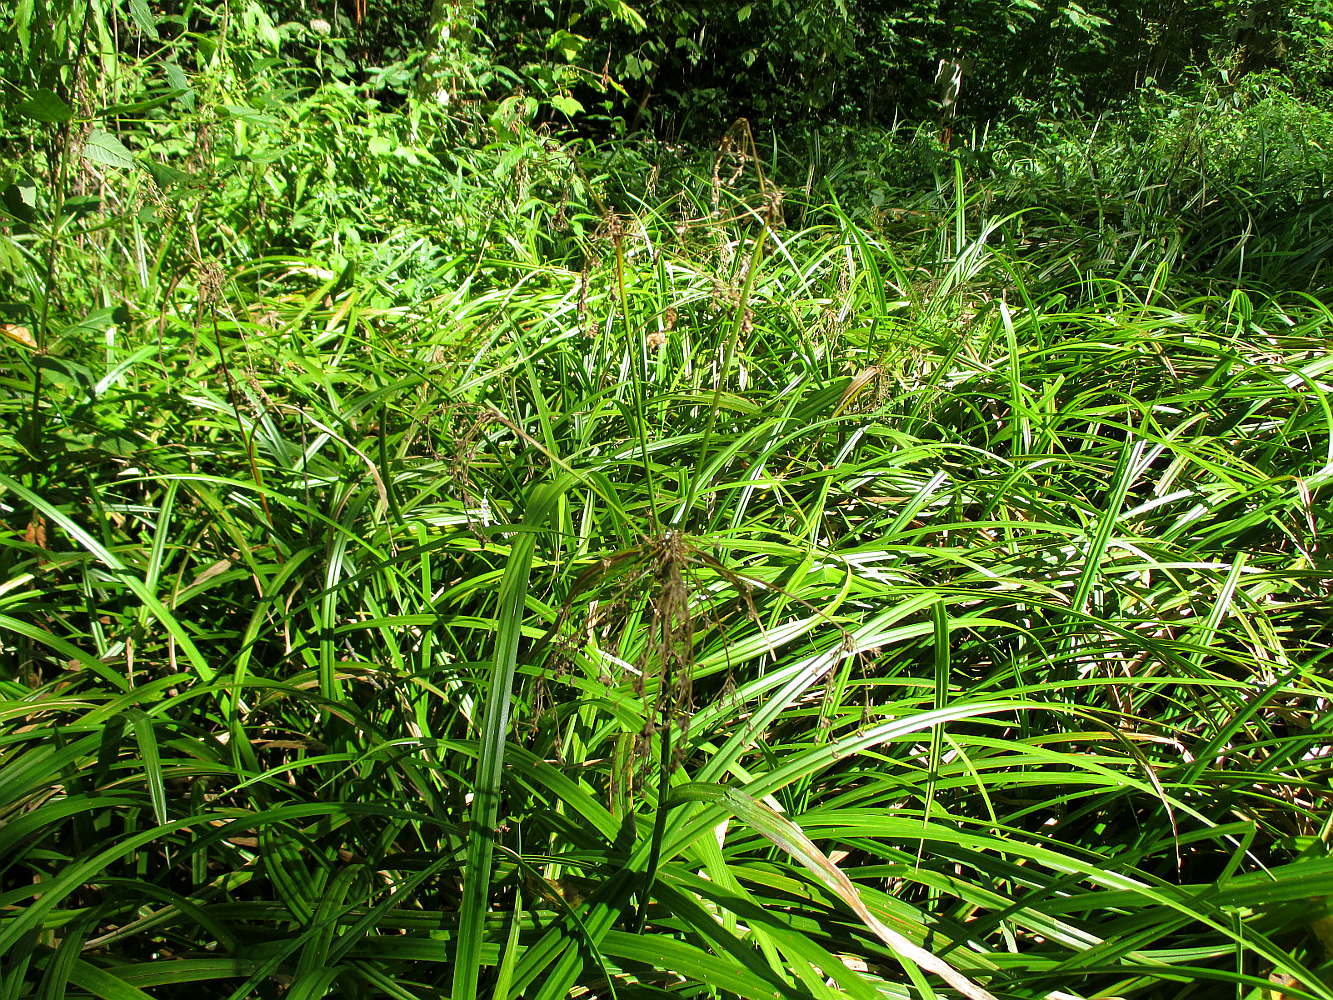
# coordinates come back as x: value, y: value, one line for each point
x: 446, y: 559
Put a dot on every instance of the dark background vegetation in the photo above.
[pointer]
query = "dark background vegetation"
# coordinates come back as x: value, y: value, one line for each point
x: 688, y: 67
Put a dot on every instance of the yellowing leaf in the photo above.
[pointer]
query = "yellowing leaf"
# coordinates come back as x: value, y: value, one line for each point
x: 792, y: 841
x: 19, y: 334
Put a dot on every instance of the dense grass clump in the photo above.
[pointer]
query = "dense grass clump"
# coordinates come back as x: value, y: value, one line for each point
x: 514, y: 569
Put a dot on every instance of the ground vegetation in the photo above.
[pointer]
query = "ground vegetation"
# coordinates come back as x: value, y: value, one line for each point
x: 468, y: 528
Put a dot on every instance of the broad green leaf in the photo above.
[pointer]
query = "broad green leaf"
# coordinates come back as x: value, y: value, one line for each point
x: 45, y: 106
x: 566, y: 105
x: 568, y: 44
x: 143, y: 18
x: 106, y: 150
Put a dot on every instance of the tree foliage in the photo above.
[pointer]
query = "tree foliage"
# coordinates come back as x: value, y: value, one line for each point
x: 685, y: 62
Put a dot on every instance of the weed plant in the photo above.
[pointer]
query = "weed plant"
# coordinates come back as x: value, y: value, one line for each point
x: 521, y: 570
